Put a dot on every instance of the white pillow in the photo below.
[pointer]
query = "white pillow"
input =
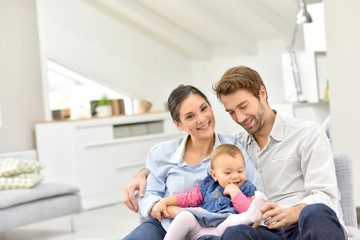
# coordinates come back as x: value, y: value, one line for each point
x: 12, y: 166
x: 26, y: 180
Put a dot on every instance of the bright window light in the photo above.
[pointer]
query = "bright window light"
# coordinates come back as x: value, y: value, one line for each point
x: 71, y: 90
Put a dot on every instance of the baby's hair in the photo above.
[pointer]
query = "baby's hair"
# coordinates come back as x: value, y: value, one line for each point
x: 228, y: 149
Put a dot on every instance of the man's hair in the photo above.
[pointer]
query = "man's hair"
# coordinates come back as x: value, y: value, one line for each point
x: 227, y: 149
x: 237, y: 78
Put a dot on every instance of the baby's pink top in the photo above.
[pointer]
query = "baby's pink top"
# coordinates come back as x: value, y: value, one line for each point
x: 194, y: 198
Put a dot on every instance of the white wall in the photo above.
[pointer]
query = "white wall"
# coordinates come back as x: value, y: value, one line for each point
x: 106, y: 49
x: 343, y: 50
x: 267, y: 63
x: 20, y: 75
x: 109, y: 50
x: 118, y: 54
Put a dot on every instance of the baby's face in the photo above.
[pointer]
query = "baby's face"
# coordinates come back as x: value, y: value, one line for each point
x: 228, y: 170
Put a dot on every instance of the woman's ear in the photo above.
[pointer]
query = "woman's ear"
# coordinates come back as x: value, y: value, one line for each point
x: 178, y: 125
x: 213, y: 175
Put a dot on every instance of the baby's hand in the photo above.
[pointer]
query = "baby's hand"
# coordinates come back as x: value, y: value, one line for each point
x: 159, y: 210
x: 231, y: 190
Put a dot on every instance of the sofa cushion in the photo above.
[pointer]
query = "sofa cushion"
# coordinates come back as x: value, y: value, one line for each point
x: 40, y: 210
x: 25, y: 180
x: 10, y: 166
x: 12, y: 197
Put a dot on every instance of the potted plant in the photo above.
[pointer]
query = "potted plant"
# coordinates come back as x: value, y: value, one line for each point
x: 103, y: 107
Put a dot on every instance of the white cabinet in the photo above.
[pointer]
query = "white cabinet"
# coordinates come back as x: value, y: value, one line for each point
x: 90, y: 155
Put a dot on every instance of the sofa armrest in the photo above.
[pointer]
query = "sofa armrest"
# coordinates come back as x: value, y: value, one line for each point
x: 345, y: 179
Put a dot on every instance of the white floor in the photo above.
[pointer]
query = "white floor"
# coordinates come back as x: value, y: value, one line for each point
x: 112, y: 222
x: 107, y: 223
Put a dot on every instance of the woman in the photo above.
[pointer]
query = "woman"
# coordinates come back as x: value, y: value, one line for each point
x: 179, y: 165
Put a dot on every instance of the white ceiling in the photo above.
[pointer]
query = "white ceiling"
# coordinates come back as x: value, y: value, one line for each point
x: 202, y: 28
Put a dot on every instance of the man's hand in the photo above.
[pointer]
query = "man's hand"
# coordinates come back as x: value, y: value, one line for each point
x: 137, y: 183
x: 159, y: 210
x: 275, y: 217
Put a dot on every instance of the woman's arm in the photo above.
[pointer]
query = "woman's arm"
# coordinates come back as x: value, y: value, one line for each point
x: 157, y: 168
x: 137, y: 183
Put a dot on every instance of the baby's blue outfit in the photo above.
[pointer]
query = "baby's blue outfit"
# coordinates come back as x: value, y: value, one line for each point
x: 218, y: 205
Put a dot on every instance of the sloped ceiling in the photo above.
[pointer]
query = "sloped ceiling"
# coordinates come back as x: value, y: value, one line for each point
x: 202, y: 28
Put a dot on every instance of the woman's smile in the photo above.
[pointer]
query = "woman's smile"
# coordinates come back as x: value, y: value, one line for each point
x: 204, y: 127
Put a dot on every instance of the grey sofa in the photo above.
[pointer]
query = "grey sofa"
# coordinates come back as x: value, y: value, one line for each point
x: 19, y: 207
x: 23, y: 206
x: 345, y: 178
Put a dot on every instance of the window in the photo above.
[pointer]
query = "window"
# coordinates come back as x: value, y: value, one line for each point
x: 71, y: 90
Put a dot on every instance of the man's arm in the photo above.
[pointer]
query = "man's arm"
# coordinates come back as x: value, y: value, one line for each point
x: 275, y: 217
x: 317, y: 165
x: 137, y: 183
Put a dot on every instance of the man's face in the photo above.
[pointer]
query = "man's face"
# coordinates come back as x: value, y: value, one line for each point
x: 245, y: 109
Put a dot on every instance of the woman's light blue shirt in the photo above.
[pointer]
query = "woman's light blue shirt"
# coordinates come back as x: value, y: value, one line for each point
x: 168, y: 174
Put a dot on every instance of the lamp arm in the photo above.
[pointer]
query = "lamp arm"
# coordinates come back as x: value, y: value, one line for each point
x: 294, y: 64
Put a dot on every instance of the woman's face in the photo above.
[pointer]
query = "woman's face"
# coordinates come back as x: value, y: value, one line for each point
x: 196, y: 117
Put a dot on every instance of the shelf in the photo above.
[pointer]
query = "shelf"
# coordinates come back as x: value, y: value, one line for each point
x: 121, y: 120
x: 129, y: 139
x: 310, y: 104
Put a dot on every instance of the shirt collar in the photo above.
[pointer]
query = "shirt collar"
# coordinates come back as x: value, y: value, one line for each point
x: 250, y: 138
x: 277, y: 131
x: 177, y: 157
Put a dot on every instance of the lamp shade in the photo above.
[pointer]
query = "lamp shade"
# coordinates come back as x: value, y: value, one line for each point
x: 303, y: 15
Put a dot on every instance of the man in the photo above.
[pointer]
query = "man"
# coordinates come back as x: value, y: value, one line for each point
x: 294, y: 160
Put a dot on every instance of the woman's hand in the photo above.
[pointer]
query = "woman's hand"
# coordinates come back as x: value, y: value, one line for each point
x: 137, y: 183
x: 159, y: 210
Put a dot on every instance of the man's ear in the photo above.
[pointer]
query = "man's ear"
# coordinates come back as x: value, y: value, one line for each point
x: 213, y: 175
x: 262, y: 93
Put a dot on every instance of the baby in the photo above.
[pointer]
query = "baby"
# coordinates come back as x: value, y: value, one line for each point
x: 223, y: 199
